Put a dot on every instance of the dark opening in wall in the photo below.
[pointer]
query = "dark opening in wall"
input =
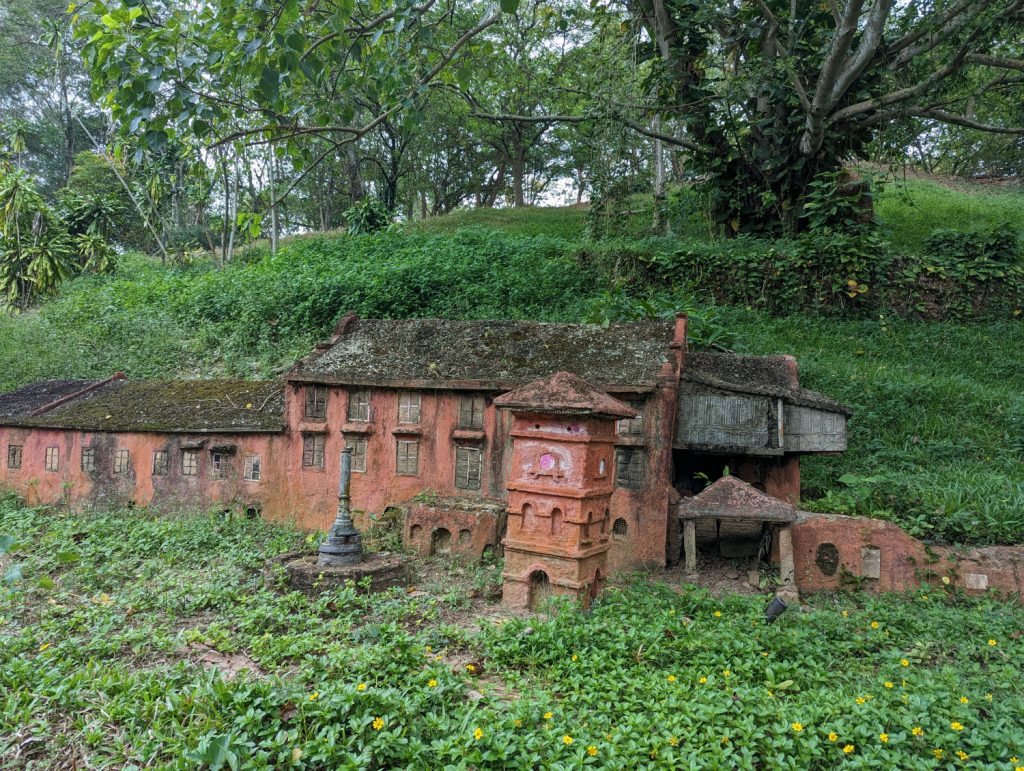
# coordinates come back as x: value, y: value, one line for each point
x: 540, y: 588
x: 441, y: 541
x: 620, y: 529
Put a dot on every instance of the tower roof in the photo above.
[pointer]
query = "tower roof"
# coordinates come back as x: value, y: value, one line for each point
x: 566, y: 394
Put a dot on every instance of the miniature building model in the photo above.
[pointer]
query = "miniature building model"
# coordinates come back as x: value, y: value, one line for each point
x: 417, y: 401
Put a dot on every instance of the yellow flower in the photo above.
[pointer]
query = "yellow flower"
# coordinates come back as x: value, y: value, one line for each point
x: 429, y: 649
x: 725, y: 740
x: 726, y: 672
x: 904, y: 662
x: 874, y: 625
x: 470, y: 668
x: 43, y: 647
x: 917, y: 731
x: 673, y: 741
x: 956, y: 725
x: 962, y: 755
x: 798, y: 727
x: 887, y: 684
x: 671, y: 678
x: 937, y: 753
x: 548, y: 715
x: 575, y: 657
x: 567, y: 740
x: 988, y: 697
x: 702, y: 680
x: 518, y: 723
x: 361, y: 687
x: 378, y: 723
x: 313, y: 696
x: 1015, y: 760
x: 771, y: 695
x: 833, y: 736
x: 592, y: 751
x: 764, y: 653
x: 884, y: 738
x: 964, y: 700
x: 718, y: 614
x: 848, y: 749
x: 846, y: 614
x: 861, y: 700
x: 432, y: 683
x: 993, y: 643
x: 478, y: 734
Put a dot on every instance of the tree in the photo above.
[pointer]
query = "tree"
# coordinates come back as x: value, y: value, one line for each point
x: 772, y: 94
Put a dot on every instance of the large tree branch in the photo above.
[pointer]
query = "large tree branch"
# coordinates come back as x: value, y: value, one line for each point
x: 963, y: 120
x: 871, y: 37
x: 996, y: 61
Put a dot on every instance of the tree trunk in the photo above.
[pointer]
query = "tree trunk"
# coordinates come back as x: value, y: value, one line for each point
x: 519, y: 177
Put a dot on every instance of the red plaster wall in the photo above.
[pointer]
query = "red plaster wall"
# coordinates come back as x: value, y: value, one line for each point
x: 485, y: 528
x: 906, y: 563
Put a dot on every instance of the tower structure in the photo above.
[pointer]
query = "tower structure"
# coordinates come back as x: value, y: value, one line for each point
x: 560, y: 488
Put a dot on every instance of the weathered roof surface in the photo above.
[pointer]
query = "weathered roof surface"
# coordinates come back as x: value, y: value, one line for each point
x: 764, y: 375
x: 732, y: 498
x: 499, y: 355
x: 32, y: 397
x: 564, y: 393
x: 168, y: 406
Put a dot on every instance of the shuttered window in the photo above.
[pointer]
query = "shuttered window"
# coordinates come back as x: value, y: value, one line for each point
x: 316, y: 402
x: 313, y: 451
x: 52, y: 459
x: 471, y: 412
x: 359, y: 406
x: 630, y: 467
x: 88, y: 459
x: 220, y: 465
x: 160, y: 463
x: 14, y: 456
x: 408, y: 461
x: 122, y: 462
x: 358, y: 445
x: 468, y: 465
x: 409, y: 407
x: 633, y: 426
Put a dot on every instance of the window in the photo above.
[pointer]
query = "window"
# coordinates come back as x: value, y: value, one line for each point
x: 52, y: 459
x: 189, y: 463
x: 408, y: 457
x: 633, y: 426
x: 121, y: 462
x: 468, y: 461
x: 220, y: 465
x: 253, y: 467
x: 160, y: 463
x: 409, y: 407
x: 471, y: 412
x: 359, y: 405
x: 358, y: 445
x: 88, y: 459
x: 316, y: 402
x: 619, y: 529
x: 14, y: 456
x: 313, y: 450
x: 630, y: 464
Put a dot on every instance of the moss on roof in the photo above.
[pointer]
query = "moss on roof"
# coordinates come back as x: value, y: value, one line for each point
x: 170, y: 406
x: 24, y: 401
x: 495, y: 354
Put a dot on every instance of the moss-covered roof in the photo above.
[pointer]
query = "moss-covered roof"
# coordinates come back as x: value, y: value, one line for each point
x: 763, y: 375
x: 564, y: 393
x: 499, y: 355
x: 167, y: 406
x: 32, y: 397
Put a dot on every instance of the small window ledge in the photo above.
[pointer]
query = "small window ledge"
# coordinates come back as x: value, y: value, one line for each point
x: 630, y: 441
x: 469, y: 435
x: 357, y: 428
x: 307, y: 427
x: 408, y: 428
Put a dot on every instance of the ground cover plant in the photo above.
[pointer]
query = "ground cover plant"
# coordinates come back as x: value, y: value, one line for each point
x: 102, y: 642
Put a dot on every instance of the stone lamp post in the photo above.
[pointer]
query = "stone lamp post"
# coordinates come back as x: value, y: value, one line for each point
x: 343, y: 545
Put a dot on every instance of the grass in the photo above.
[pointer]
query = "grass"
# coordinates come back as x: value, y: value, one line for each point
x: 101, y: 640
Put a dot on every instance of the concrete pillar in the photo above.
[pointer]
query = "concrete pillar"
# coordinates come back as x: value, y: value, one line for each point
x: 690, y: 544
x: 787, y: 572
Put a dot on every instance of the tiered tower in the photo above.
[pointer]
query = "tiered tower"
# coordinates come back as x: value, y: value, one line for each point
x: 560, y: 488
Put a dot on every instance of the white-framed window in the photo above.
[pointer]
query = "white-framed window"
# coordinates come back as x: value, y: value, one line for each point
x: 189, y: 463
x: 408, y: 457
x: 253, y: 468
x: 122, y: 461
x: 468, y: 467
x: 313, y: 450
x: 52, y: 459
x: 359, y: 406
x: 409, y: 407
x: 471, y: 412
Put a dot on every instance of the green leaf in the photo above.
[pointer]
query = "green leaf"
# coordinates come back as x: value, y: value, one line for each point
x: 509, y: 6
